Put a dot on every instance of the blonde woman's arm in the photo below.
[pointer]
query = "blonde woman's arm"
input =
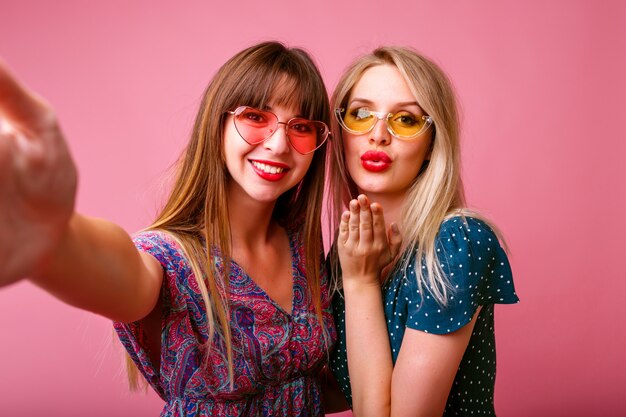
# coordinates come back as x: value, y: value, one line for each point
x: 434, y: 359
x: 89, y: 263
x: 425, y: 370
x: 364, y: 248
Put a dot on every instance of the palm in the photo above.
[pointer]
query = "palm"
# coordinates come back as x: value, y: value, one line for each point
x: 37, y: 180
x: 365, y: 247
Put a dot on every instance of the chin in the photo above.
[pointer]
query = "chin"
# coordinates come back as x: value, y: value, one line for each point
x: 269, y: 196
x: 374, y: 187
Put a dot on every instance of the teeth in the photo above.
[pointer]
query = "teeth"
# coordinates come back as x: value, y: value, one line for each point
x: 270, y: 169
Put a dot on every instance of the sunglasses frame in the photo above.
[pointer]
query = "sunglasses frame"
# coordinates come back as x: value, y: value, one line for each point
x: 239, y: 110
x: 382, y: 116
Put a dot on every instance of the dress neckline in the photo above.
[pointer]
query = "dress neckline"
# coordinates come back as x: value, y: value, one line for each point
x: 294, y: 276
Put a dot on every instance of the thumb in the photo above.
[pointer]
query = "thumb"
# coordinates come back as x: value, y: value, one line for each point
x: 21, y: 107
x: 395, y: 240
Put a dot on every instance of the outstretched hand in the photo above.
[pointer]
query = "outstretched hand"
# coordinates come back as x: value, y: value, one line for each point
x: 365, y: 245
x: 37, y: 180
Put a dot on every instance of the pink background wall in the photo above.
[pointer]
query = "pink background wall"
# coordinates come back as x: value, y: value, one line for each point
x: 543, y: 91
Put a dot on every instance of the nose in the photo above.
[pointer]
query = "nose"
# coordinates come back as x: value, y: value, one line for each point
x: 278, y: 142
x: 379, y: 134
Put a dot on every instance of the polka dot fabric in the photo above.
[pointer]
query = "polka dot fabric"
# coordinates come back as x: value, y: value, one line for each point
x: 478, y: 270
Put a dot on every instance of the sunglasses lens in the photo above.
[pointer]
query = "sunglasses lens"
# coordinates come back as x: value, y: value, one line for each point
x: 254, y: 125
x: 406, y: 124
x: 358, y: 120
x: 403, y: 124
x: 306, y: 135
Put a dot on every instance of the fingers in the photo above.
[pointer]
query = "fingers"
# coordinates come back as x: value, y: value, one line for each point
x: 21, y: 107
x: 363, y: 224
x: 354, y: 223
x: 344, y: 232
x: 8, y: 136
x: 363, y: 244
x: 378, y: 223
x: 7, y: 150
x: 366, y: 235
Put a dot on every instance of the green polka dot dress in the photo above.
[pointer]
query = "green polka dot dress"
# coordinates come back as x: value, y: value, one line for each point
x: 479, y: 273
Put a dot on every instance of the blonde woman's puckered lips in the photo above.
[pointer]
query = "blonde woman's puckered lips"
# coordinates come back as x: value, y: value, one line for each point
x: 375, y: 161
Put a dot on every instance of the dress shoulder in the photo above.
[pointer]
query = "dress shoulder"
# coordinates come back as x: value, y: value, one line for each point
x: 165, y: 249
x: 177, y: 272
x: 478, y: 274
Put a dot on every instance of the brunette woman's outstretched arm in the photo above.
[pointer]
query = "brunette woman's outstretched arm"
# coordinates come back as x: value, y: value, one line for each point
x: 88, y: 263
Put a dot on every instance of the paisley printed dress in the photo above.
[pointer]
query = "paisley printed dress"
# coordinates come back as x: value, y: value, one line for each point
x: 276, y: 355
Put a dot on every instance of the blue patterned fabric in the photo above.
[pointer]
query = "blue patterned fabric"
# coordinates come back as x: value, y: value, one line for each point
x: 479, y: 273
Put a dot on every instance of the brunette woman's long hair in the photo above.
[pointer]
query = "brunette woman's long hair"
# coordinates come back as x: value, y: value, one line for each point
x: 196, y: 212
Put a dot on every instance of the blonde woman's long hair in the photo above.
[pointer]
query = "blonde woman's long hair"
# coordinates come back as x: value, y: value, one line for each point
x: 437, y: 192
x: 196, y: 212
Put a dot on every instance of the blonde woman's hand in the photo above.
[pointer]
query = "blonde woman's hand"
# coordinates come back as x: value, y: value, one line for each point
x: 365, y: 245
x: 37, y: 180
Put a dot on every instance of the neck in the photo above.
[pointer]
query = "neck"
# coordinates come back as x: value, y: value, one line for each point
x: 251, y: 223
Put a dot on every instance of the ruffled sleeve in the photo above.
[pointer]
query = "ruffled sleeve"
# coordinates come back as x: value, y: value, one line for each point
x: 132, y: 335
x: 477, y: 269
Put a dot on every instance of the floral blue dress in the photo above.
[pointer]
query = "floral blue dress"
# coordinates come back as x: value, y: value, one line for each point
x: 277, y: 355
x: 479, y: 273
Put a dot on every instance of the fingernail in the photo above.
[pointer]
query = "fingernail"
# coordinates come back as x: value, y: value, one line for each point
x: 394, y: 228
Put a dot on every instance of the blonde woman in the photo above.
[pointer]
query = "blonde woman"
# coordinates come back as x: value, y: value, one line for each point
x: 220, y: 304
x: 426, y: 346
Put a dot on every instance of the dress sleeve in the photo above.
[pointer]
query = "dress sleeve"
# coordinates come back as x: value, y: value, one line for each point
x: 132, y: 335
x: 478, y: 270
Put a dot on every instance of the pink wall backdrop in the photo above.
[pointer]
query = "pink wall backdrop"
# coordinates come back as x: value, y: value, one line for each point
x: 543, y: 93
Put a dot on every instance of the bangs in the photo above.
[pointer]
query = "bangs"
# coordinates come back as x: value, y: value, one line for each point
x: 287, y: 93
x: 281, y: 81
x: 278, y: 90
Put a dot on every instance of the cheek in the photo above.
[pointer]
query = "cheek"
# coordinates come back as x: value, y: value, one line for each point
x: 228, y: 140
x: 350, y: 147
x: 232, y: 142
x: 417, y: 152
x: 228, y: 151
x: 234, y: 151
x: 349, y: 152
x: 303, y: 162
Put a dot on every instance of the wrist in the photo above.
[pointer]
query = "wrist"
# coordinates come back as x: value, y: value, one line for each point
x: 361, y: 283
x: 55, y: 241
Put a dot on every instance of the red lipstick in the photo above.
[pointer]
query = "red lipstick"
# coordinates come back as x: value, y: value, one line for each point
x: 375, y: 161
x: 269, y: 170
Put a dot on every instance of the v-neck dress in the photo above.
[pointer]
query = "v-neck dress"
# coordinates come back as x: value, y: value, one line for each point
x: 276, y: 355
